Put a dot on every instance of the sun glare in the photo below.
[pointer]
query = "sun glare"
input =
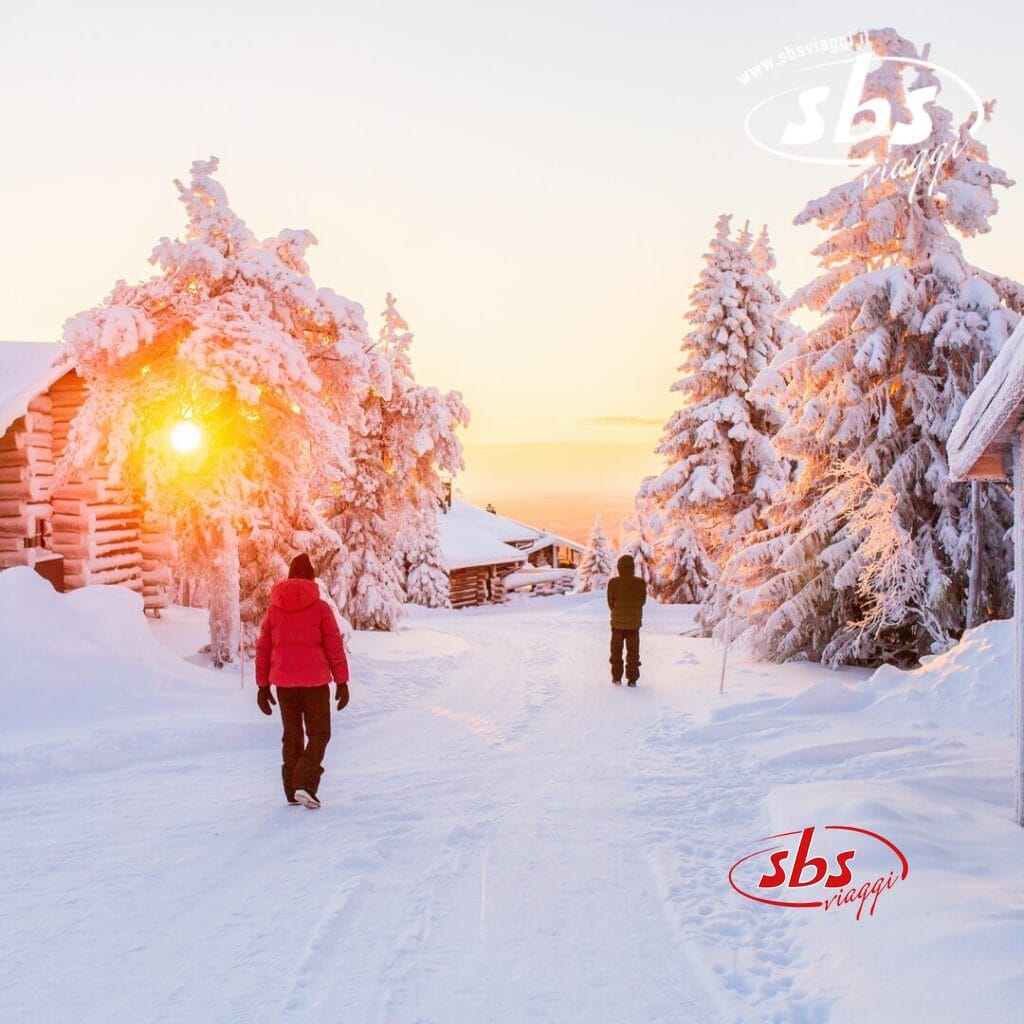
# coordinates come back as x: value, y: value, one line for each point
x: 186, y: 437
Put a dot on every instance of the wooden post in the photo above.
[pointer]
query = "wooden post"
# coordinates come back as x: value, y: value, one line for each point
x: 974, y: 613
x: 1018, y: 622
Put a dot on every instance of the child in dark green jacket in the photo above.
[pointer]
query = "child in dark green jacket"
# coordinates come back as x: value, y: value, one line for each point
x: 627, y: 594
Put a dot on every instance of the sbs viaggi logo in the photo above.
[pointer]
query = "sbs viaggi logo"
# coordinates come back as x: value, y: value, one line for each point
x: 843, y: 101
x: 831, y: 868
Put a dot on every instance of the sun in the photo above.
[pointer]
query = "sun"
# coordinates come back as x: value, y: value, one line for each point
x: 186, y: 437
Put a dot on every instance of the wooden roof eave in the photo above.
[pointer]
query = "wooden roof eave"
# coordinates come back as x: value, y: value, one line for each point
x: 980, y: 442
x: 984, y: 454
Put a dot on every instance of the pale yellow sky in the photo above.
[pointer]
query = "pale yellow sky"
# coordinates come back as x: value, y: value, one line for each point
x: 536, y: 182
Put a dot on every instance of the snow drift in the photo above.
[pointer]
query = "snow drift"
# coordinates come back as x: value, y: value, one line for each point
x: 81, y: 663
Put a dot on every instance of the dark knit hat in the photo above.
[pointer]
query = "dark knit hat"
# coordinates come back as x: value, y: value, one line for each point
x: 301, y: 568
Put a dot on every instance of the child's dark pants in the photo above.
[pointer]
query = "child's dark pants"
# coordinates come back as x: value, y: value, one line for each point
x: 306, y: 714
x: 631, y: 638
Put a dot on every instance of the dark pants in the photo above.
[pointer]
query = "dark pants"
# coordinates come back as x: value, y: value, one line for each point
x: 306, y: 714
x: 631, y: 638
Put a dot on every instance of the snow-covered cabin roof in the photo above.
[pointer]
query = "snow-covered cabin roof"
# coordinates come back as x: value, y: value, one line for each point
x: 471, y: 536
x: 26, y: 369
x: 979, y: 444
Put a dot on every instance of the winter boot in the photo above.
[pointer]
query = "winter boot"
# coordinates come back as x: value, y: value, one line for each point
x: 631, y: 682
x: 307, y: 799
x: 617, y: 682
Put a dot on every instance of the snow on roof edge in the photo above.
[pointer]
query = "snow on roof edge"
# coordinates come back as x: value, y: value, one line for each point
x: 26, y: 370
x: 984, y: 422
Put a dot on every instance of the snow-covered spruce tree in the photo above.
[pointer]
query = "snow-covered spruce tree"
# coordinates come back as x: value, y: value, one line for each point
x: 722, y: 469
x: 640, y: 532
x: 692, y: 570
x: 219, y: 390
x: 426, y: 575
x: 431, y: 419
x: 907, y: 328
x: 598, y: 562
x: 386, y: 504
x: 766, y: 399
x: 364, y: 579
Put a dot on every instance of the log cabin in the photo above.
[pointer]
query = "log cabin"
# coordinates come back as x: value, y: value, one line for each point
x: 87, y: 531
x: 482, y: 549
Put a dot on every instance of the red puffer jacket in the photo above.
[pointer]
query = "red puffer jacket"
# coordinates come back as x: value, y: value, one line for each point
x: 300, y: 643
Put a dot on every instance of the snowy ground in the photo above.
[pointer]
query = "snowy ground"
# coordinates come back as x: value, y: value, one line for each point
x: 506, y: 837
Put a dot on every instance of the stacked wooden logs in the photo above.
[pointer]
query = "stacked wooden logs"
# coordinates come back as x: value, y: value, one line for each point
x: 157, y: 557
x: 478, y: 584
x: 468, y: 586
x: 26, y: 470
x: 96, y: 527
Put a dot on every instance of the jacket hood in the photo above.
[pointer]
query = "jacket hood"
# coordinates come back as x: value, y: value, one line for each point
x: 627, y: 567
x: 294, y: 595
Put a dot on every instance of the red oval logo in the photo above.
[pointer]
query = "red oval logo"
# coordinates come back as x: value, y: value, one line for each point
x: 831, y: 867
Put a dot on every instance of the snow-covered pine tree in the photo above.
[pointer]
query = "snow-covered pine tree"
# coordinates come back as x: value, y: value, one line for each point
x: 692, y: 572
x: 364, y: 579
x: 640, y: 532
x: 221, y: 388
x: 385, y: 508
x: 907, y: 326
x: 426, y: 575
x: 766, y: 401
x: 598, y: 562
x: 722, y: 469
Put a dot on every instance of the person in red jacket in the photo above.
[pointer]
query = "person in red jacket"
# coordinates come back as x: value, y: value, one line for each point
x: 300, y: 649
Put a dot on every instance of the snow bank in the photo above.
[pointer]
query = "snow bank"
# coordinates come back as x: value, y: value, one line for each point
x: 928, y: 763
x: 974, y: 678
x: 96, y: 637
x: 77, y: 663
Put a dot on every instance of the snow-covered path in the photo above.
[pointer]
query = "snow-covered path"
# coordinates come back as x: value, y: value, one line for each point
x: 477, y: 859
x: 506, y: 837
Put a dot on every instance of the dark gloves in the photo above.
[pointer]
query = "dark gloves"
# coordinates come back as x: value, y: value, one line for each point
x: 265, y: 698
x: 341, y: 695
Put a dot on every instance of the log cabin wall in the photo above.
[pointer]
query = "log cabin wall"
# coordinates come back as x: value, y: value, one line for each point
x: 478, y: 584
x: 467, y: 586
x: 157, y: 557
x: 26, y: 469
x: 95, y: 526
x: 90, y: 521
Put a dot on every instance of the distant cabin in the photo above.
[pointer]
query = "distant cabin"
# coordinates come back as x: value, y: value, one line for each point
x: 88, y: 531
x: 483, y: 551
